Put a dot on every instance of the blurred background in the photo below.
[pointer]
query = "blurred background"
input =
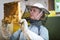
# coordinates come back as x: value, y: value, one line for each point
x: 9, y: 14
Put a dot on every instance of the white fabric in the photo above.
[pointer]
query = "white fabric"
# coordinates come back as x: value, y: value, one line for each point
x: 29, y: 34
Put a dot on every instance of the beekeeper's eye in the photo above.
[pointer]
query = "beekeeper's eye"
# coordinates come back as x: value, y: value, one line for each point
x: 34, y: 10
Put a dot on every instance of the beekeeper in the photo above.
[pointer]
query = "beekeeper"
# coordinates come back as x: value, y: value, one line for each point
x: 37, y: 14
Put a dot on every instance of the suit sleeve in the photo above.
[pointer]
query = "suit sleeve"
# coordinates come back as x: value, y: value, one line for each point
x: 15, y: 35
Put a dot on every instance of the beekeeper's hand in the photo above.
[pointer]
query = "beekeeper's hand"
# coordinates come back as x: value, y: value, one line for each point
x: 27, y: 33
x: 24, y: 25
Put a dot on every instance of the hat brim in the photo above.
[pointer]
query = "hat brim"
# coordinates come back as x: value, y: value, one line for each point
x: 46, y: 11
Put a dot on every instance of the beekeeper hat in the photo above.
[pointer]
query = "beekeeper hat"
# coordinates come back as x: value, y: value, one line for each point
x: 39, y: 5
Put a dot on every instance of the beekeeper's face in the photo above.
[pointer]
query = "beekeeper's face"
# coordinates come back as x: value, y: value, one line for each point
x: 35, y: 13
